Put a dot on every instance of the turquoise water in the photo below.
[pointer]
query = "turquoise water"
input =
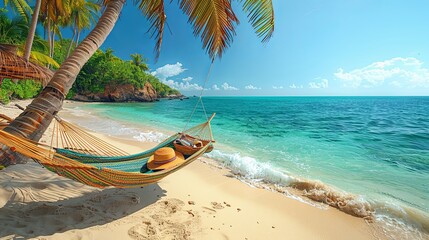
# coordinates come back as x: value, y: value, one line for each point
x: 374, y: 147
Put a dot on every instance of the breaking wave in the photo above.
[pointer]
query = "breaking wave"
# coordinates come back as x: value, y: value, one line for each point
x: 408, y: 222
x: 150, y: 136
x: 398, y: 221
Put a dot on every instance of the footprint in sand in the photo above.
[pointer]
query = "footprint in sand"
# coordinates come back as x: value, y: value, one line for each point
x: 217, y: 205
x: 166, y: 220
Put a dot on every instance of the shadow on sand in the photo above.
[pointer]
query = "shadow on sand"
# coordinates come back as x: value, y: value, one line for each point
x: 43, y: 218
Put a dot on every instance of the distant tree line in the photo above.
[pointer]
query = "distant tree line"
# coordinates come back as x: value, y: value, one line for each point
x: 105, y: 68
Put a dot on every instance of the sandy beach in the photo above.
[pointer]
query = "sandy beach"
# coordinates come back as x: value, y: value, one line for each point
x: 202, y: 201
x: 255, y: 119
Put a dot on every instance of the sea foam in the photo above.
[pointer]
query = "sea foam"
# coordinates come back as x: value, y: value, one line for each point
x: 150, y: 136
x: 250, y: 168
x: 394, y: 220
x: 397, y: 220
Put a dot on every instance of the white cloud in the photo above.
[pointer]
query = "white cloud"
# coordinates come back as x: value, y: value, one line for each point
x: 397, y: 71
x: 295, y: 86
x: 215, y: 87
x: 279, y: 87
x: 227, y: 87
x: 182, y: 86
x: 324, y: 83
x: 169, y: 70
x: 251, y: 87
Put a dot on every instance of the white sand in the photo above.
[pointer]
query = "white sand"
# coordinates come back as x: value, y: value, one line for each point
x: 198, y: 202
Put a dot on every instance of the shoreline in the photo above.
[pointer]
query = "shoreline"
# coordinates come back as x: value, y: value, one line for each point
x: 395, y: 220
x: 283, y: 210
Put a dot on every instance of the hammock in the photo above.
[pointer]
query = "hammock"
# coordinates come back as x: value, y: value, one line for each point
x: 85, y: 158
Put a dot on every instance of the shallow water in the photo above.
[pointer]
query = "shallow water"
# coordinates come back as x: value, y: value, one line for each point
x: 374, y: 147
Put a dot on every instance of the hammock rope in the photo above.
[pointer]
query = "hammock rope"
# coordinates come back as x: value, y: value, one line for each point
x: 99, y: 168
x: 78, y: 155
x: 200, y: 98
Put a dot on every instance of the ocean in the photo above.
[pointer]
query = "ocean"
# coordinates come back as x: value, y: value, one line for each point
x: 370, y: 152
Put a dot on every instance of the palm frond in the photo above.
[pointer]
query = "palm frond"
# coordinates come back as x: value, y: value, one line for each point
x: 55, y: 9
x: 153, y: 10
x: 12, y: 31
x: 42, y: 59
x: 214, y: 20
x: 85, y: 15
x: 261, y: 16
x: 22, y: 7
x: 40, y: 44
x: 38, y: 57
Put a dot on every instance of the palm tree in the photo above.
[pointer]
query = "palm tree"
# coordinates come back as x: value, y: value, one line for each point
x: 24, y: 10
x: 82, y: 15
x: 108, y: 55
x: 213, y: 20
x: 139, y: 61
x: 32, y: 32
x: 51, y: 9
x: 20, y: 6
x: 53, y: 15
x: 14, y: 31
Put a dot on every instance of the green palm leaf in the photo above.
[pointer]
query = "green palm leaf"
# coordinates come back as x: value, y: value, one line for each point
x: 12, y: 31
x: 83, y: 14
x: 261, y: 16
x: 153, y: 10
x: 42, y: 59
x: 214, y: 20
x: 22, y: 7
x: 38, y: 58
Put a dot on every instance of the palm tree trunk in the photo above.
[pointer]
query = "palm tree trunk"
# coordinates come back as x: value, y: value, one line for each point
x: 49, y: 36
x: 53, y: 44
x: 71, y: 42
x: 34, y: 121
x: 77, y: 38
x: 32, y: 31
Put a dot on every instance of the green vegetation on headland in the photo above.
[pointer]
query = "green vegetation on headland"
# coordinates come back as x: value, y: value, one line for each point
x: 213, y: 23
x: 102, y: 70
x: 105, y: 69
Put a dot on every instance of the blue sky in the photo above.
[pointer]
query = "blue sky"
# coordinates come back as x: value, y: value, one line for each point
x: 339, y: 47
x: 336, y: 47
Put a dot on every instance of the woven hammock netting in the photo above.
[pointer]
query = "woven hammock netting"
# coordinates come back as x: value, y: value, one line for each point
x: 76, y: 154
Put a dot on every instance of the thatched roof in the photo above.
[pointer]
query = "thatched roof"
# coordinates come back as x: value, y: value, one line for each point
x: 4, y: 121
x: 15, y: 67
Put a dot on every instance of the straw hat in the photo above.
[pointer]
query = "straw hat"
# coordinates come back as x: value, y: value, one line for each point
x: 164, y: 158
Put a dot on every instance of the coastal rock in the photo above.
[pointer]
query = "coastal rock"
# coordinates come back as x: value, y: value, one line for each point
x: 149, y: 92
x: 121, y: 93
